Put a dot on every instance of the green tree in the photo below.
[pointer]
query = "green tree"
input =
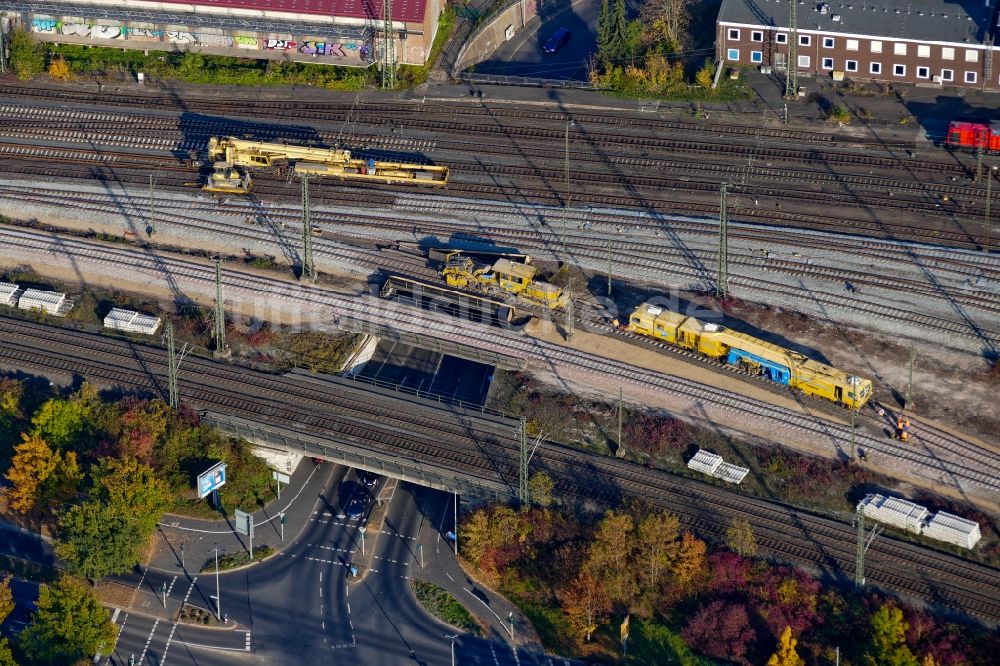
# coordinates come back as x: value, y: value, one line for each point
x: 888, y: 640
x: 786, y: 654
x: 95, y: 541
x: 134, y: 492
x: 63, y: 423
x: 619, y: 30
x: 26, y: 56
x: 540, y: 487
x: 68, y: 625
x: 740, y: 538
x: 604, y: 32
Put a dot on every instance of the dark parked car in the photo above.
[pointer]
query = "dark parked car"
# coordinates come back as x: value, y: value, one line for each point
x: 356, y: 507
x: 370, y: 479
x: 557, y: 40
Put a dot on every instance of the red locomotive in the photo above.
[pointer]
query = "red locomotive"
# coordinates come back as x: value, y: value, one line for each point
x: 974, y: 135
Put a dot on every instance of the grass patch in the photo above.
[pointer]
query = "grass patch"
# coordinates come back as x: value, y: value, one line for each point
x: 315, y: 351
x: 198, y: 68
x: 234, y: 560
x: 439, y: 603
x: 653, y: 643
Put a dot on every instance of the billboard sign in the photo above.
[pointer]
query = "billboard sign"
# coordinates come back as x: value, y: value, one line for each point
x: 211, y: 479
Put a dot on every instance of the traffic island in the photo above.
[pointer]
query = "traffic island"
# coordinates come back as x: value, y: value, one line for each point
x: 231, y: 561
x: 441, y: 604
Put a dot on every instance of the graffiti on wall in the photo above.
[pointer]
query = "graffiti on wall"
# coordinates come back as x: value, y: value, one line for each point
x: 313, y: 47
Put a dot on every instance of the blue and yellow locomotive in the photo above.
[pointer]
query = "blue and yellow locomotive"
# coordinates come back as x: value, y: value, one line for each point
x: 751, y: 355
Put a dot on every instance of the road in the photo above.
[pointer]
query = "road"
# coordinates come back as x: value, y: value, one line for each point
x: 302, y: 606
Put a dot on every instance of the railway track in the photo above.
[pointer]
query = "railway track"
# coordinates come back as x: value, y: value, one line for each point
x: 937, y: 461
x: 614, y: 171
x: 486, y: 448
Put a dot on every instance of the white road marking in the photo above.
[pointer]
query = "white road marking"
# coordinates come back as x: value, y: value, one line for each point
x: 142, y: 657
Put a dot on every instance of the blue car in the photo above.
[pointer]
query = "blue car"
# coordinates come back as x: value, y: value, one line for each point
x: 557, y: 40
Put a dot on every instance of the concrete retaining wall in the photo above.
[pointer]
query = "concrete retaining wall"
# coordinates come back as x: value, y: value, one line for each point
x: 494, y: 32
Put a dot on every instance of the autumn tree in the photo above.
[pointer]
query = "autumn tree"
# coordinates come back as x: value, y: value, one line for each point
x: 586, y: 604
x: 6, y: 656
x: 690, y: 561
x: 6, y: 600
x: 786, y: 654
x: 657, y: 546
x: 609, y: 558
x: 888, y: 639
x: 721, y: 630
x: 143, y: 424
x: 59, y: 70
x: 68, y: 625
x: 11, y: 392
x: 540, y: 487
x: 40, y: 476
x: 740, y: 538
x: 705, y: 76
x: 665, y: 22
x: 928, y: 660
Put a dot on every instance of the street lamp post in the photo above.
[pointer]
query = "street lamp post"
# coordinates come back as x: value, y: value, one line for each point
x: 990, y: 175
x: 218, y: 597
x: 452, y: 639
x: 566, y: 194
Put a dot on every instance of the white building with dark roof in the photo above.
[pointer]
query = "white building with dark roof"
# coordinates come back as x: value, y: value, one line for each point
x: 932, y: 42
x: 333, y: 32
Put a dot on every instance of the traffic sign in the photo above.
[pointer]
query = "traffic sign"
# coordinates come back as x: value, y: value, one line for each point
x: 624, y: 630
x: 279, y: 477
x: 244, y: 523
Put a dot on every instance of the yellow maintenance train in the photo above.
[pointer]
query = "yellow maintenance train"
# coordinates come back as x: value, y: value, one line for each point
x: 751, y: 354
x: 228, y: 153
x: 501, y: 276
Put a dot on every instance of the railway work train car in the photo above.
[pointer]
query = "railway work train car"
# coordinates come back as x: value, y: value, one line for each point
x: 228, y: 153
x: 974, y: 135
x: 751, y: 355
x: 502, y: 276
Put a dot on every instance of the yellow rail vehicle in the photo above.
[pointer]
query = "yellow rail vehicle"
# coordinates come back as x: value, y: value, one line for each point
x: 229, y: 152
x: 503, y: 275
x: 751, y: 354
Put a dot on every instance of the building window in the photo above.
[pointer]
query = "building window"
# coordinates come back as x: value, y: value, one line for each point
x: 899, y: 70
x: 805, y: 40
x: 971, y: 56
x: 923, y: 51
x: 852, y: 65
x: 947, y: 75
x: 734, y: 34
x: 875, y: 68
x: 804, y: 61
x: 923, y: 72
x: 827, y: 63
x: 733, y: 55
x: 899, y: 48
x: 756, y: 56
x: 756, y: 36
x: 781, y: 37
x: 828, y: 42
x: 852, y: 45
x: 947, y: 53
x: 970, y: 77
x: 876, y: 47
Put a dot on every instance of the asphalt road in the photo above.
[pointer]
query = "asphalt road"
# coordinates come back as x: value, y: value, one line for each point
x: 523, y: 55
x: 301, y: 606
